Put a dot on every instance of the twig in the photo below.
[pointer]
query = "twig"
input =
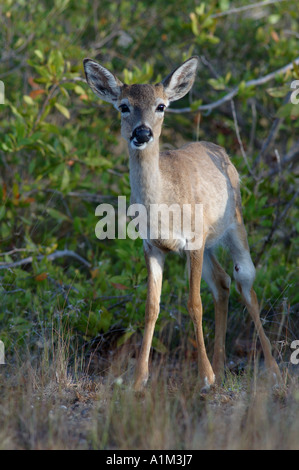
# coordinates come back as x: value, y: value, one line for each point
x: 62, y: 287
x: 208, y: 64
x: 13, y: 53
x: 72, y: 80
x: 121, y: 302
x: 50, y: 95
x: 45, y: 103
x: 246, y: 7
x: 14, y: 69
x: 275, y: 226
x: 106, y: 39
x: 112, y: 297
x: 229, y: 96
x: 253, y: 126
x: 11, y: 252
x: 51, y: 257
x: 286, y: 160
x: 278, y: 159
x: 89, y: 196
x: 12, y: 291
x: 239, y: 138
x: 272, y: 135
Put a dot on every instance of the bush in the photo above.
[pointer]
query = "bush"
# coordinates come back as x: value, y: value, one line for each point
x: 61, y: 155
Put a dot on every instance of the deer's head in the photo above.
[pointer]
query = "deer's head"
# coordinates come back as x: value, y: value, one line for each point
x: 142, y: 106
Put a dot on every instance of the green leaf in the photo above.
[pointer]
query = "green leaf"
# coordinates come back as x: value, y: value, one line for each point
x: 56, y: 61
x: 273, y: 19
x: 79, y: 90
x: 288, y: 110
x: 28, y: 100
x: 278, y: 92
x: 63, y: 110
x: 217, y: 83
x: 200, y: 9
x: 194, y: 24
x: 195, y: 104
x: 224, y: 5
x: 65, y: 179
x: 124, y: 338
x: 57, y: 215
x: 2, y: 212
x: 39, y: 54
x: 159, y: 346
x: 104, y: 322
x: 119, y: 279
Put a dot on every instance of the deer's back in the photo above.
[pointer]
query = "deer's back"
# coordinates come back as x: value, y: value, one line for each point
x: 202, y: 173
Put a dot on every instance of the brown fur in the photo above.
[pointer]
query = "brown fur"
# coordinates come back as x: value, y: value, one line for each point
x: 198, y: 173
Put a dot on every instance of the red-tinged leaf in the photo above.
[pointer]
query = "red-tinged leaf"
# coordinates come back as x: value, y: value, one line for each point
x: 32, y: 82
x: 94, y: 273
x: 193, y: 342
x: 275, y: 36
x: 41, y: 277
x: 4, y: 191
x: 29, y: 200
x: 119, y: 286
x: 35, y: 93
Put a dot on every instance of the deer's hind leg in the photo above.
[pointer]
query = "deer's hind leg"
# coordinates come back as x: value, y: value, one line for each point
x: 244, y: 274
x: 219, y: 283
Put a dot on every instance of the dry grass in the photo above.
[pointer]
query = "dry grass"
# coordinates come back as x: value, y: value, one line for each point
x: 46, y: 405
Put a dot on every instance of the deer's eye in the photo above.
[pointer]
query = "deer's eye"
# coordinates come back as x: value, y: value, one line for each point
x: 160, y: 108
x: 124, y: 108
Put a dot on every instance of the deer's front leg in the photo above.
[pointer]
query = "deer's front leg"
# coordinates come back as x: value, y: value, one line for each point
x: 154, y: 261
x: 206, y: 373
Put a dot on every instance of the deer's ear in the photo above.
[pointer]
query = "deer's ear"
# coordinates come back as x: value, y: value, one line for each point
x: 102, y: 82
x: 180, y: 81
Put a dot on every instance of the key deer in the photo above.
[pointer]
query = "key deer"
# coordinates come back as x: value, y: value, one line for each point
x: 199, y: 173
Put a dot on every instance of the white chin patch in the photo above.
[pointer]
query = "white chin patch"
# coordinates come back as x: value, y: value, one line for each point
x: 134, y: 144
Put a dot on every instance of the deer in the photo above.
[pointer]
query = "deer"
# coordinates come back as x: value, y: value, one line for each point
x: 197, y: 173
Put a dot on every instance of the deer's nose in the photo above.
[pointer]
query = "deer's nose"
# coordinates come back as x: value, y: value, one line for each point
x: 142, y: 134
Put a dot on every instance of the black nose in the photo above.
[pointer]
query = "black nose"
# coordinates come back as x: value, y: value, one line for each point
x: 142, y: 134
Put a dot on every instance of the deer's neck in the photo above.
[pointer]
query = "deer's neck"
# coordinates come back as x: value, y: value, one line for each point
x: 145, y: 176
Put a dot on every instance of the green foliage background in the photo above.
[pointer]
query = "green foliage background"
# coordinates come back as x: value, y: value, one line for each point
x: 61, y: 155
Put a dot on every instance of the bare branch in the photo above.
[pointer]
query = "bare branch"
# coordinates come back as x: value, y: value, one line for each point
x: 253, y: 125
x: 247, y: 7
x: 72, y: 80
x: 106, y: 39
x: 84, y: 195
x: 239, y: 138
x: 234, y: 92
x: 289, y: 158
x: 51, y: 257
x: 277, y: 223
x: 51, y: 94
x: 12, y: 252
x: 271, y: 137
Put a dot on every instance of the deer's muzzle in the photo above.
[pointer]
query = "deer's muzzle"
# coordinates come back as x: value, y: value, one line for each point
x: 141, y: 135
